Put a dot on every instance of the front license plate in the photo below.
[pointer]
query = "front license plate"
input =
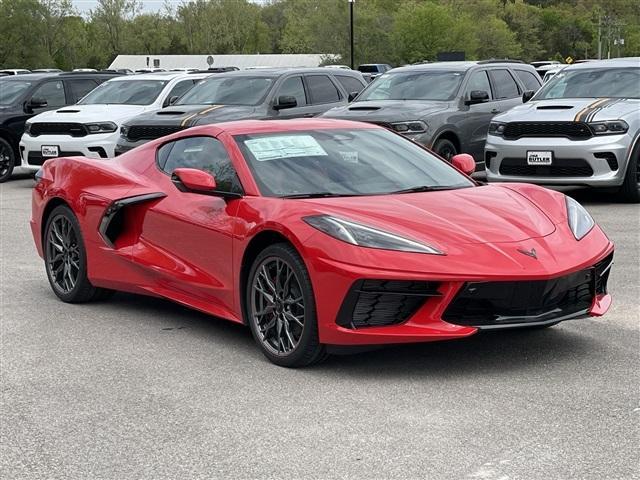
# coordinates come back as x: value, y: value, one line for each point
x: 49, y: 150
x: 538, y: 157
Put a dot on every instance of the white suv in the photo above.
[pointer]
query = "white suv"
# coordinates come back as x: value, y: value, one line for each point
x: 90, y: 128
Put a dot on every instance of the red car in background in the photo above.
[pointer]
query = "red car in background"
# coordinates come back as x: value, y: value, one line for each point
x: 317, y: 233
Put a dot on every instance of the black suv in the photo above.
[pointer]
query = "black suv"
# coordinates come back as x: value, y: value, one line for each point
x: 23, y: 96
x: 248, y: 94
x: 446, y: 106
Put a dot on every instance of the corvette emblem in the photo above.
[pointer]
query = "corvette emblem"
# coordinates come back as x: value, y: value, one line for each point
x: 529, y: 253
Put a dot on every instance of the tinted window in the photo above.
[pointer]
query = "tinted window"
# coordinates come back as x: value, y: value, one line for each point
x: 128, y: 92
x: 530, y: 81
x: 350, y: 84
x: 322, y: 89
x: 232, y: 90
x: 80, y: 87
x: 10, y: 91
x: 433, y: 85
x: 180, y: 88
x: 202, y: 153
x: 52, y: 93
x: 369, y: 68
x: 479, y: 81
x: 293, y: 87
x: 504, y: 86
x: 593, y: 83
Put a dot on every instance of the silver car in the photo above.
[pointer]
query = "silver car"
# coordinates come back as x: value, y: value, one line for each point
x: 581, y: 128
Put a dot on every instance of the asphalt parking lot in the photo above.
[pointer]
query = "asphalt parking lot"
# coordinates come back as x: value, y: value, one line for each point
x: 141, y: 388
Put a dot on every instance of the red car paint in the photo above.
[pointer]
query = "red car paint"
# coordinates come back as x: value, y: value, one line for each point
x: 189, y: 247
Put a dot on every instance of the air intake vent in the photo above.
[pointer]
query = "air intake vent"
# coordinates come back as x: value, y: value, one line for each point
x: 610, y: 157
x: 554, y: 107
x: 571, y: 130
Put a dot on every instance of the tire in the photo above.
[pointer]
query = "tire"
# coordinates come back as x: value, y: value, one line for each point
x: 7, y: 160
x: 65, y: 259
x: 630, y: 189
x: 280, y: 308
x: 445, y: 148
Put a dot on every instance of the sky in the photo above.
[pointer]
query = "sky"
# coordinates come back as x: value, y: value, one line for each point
x: 84, y: 6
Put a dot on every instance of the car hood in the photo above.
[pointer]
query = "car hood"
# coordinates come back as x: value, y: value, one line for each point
x: 191, y: 115
x: 91, y: 113
x: 386, y: 110
x: 572, y: 109
x: 478, y: 215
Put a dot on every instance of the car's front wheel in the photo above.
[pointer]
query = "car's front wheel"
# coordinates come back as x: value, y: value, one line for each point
x: 280, y: 308
x: 66, y: 259
x: 7, y: 160
x: 445, y: 148
x: 630, y: 189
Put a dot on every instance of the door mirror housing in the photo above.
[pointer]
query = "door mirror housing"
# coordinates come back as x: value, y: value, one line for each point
x: 464, y: 162
x: 478, y: 96
x: 352, y: 96
x: 285, y: 101
x: 171, y: 100
x: 527, y: 95
x: 198, y: 181
x: 36, y: 102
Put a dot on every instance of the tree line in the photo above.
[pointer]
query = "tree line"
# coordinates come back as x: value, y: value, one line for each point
x: 52, y: 33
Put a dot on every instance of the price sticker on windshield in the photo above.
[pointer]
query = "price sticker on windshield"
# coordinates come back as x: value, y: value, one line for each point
x: 284, y: 146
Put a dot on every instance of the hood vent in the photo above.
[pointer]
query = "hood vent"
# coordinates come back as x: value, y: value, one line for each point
x: 68, y: 111
x: 170, y: 112
x: 555, y: 107
x: 370, y: 109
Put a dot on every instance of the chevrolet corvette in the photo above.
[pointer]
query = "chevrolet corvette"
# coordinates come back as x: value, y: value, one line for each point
x: 318, y: 233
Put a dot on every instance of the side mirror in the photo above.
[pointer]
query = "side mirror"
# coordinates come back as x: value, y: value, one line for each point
x: 193, y: 180
x: 173, y: 99
x: 36, y: 102
x: 464, y: 162
x: 285, y: 101
x: 352, y: 96
x: 477, y: 96
x: 527, y: 95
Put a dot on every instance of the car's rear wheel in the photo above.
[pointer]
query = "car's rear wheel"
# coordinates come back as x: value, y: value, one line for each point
x: 7, y: 160
x: 66, y: 259
x: 445, y: 148
x: 630, y: 189
x: 280, y: 308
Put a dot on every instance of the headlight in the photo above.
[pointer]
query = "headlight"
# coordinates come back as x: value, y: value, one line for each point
x: 579, y: 219
x: 413, y: 126
x: 365, y: 236
x: 27, y: 128
x: 614, y: 127
x: 102, y: 127
x: 497, y: 128
x: 124, y: 130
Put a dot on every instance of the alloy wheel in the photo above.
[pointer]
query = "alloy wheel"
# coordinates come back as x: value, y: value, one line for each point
x: 6, y: 157
x: 277, y: 306
x: 63, y: 254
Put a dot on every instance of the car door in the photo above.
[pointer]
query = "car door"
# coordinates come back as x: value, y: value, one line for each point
x: 52, y: 92
x: 475, y: 123
x: 292, y: 86
x: 186, y: 238
x: 323, y: 92
x: 506, y: 91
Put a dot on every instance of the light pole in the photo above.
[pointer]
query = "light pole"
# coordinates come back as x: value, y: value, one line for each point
x: 351, y: 2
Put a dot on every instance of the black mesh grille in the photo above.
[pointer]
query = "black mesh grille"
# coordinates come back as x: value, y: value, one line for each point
x: 502, y: 303
x: 572, y: 130
x: 35, y: 158
x: 565, y: 167
x: 376, y: 303
x: 59, y: 128
x: 151, y: 132
x: 610, y: 157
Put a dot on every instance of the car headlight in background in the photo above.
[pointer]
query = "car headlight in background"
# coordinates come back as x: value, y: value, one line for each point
x: 365, y: 236
x: 612, y: 127
x: 497, y: 128
x: 124, y: 130
x: 27, y: 128
x: 102, y: 127
x: 413, y: 126
x: 579, y: 219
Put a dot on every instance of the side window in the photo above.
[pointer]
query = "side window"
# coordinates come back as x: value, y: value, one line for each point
x: 80, y: 87
x: 202, y: 153
x: 322, y: 89
x: 479, y: 81
x: 349, y: 84
x: 293, y: 87
x: 52, y: 93
x: 180, y: 88
x: 504, y: 86
x: 530, y: 81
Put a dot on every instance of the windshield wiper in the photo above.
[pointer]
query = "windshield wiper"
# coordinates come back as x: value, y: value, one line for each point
x: 318, y: 195
x: 427, y: 188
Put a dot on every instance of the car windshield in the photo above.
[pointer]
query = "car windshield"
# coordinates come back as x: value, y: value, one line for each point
x: 129, y: 92
x: 238, y: 90
x: 593, y: 83
x: 414, y: 86
x: 10, y: 91
x: 343, y: 163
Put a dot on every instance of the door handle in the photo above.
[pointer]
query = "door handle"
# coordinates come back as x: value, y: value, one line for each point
x: 309, y: 115
x: 495, y: 110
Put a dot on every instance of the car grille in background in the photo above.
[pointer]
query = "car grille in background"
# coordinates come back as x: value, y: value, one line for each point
x: 572, y: 130
x: 481, y: 304
x: 376, y: 303
x: 72, y: 129
x: 140, y: 132
x: 610, y: 157
x: 36, y: 159
x: 564, y: 167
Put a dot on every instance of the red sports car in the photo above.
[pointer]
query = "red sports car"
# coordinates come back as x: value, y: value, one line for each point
x: 318, y: 233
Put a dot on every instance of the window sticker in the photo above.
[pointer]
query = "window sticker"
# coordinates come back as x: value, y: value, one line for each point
x: 285, y: 146
x: 349, y: 157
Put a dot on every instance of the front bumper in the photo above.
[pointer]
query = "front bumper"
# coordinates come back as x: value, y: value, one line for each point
x: 91, y: 146
x: 124, y: 145
x: 600, y: 161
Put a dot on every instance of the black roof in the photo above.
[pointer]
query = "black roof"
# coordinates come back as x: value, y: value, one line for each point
x: 39, y: 76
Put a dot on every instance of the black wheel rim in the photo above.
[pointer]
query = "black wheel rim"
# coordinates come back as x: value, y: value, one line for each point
x: 6, y: 157
x: 277, y: 306
x: 638, y: 171
x: 446, y: 151
x: 63, y: 254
